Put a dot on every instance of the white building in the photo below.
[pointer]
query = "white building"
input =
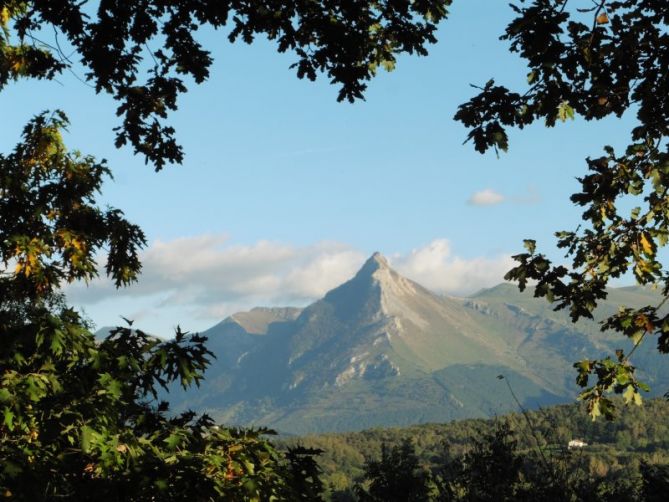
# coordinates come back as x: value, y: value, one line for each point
x: 576, y: 443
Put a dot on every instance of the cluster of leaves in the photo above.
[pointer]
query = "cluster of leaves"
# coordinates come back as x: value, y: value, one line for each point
x: 23, y: 59
x: 347, y: 41
x: 596, y: 59
x: 50, y: 227
x: 80, y: 417
x: 588, y: 58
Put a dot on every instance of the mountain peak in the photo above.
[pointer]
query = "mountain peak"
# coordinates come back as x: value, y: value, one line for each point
x: 375, y: 262
x: 377, y: 270
x: 379, y: 258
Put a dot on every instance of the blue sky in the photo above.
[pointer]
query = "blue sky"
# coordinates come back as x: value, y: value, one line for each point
x: 284, y: 191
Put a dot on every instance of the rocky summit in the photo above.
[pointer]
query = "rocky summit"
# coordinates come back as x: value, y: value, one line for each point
x: 383, y: 350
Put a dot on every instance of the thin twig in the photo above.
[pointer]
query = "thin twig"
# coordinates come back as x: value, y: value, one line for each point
x: 531, y: 427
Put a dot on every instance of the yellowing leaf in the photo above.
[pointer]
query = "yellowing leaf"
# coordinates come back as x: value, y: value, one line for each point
x: 388, y: 64
x: 647, y: 245
x: 628, y: 395
x: 4, y: 16
x: 17, y: 64
x: 565, y: 111
x: 78, y: 244
x: 595, y: 410
x: 602, y: 18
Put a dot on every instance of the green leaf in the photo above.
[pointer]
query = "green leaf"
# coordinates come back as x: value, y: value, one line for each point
x: 172, y: 441
x: 530, y: 245
x: 161, y: 484
x: 8, y: 418
x: 565, y: 111
x: 86, y: 435
x: 11, y: 469
x: 634, y: 214
x: 5, y: 395
x: 111, y: 386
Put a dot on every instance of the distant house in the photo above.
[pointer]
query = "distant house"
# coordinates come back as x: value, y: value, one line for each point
x: 576, y: 443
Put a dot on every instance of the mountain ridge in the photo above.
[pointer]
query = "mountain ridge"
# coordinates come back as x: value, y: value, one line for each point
x: 381, y: 350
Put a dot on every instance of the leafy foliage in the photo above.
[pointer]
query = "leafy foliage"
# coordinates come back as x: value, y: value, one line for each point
x: 49, y: 227
x: 80, y: 418
x: 595, y: 59
x: 347, y: 41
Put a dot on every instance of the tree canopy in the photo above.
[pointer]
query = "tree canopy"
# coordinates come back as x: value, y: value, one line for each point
x: 595, y: 59
x: 397, y: 476
x: 81, y: 418
x: 144, y: 52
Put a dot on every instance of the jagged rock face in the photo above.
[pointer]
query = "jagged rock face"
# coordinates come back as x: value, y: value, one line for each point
x: 382, y: 350
x: 348, y: 331
x: 380, y: 315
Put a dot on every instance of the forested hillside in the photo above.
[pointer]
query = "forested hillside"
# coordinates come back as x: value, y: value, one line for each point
x: 613, y: 462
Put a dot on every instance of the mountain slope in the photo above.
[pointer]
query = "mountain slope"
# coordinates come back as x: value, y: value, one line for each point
x: 382, y: 350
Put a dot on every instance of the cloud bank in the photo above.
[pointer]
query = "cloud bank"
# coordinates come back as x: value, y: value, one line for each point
x: 210, y: 278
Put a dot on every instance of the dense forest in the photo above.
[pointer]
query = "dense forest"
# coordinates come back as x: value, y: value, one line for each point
x: 514, y: 457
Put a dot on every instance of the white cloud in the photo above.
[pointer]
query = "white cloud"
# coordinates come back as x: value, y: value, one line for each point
x: 435, y: 267
x: 197, y: 281
x: 487, y: 197
x: 206, y: 272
